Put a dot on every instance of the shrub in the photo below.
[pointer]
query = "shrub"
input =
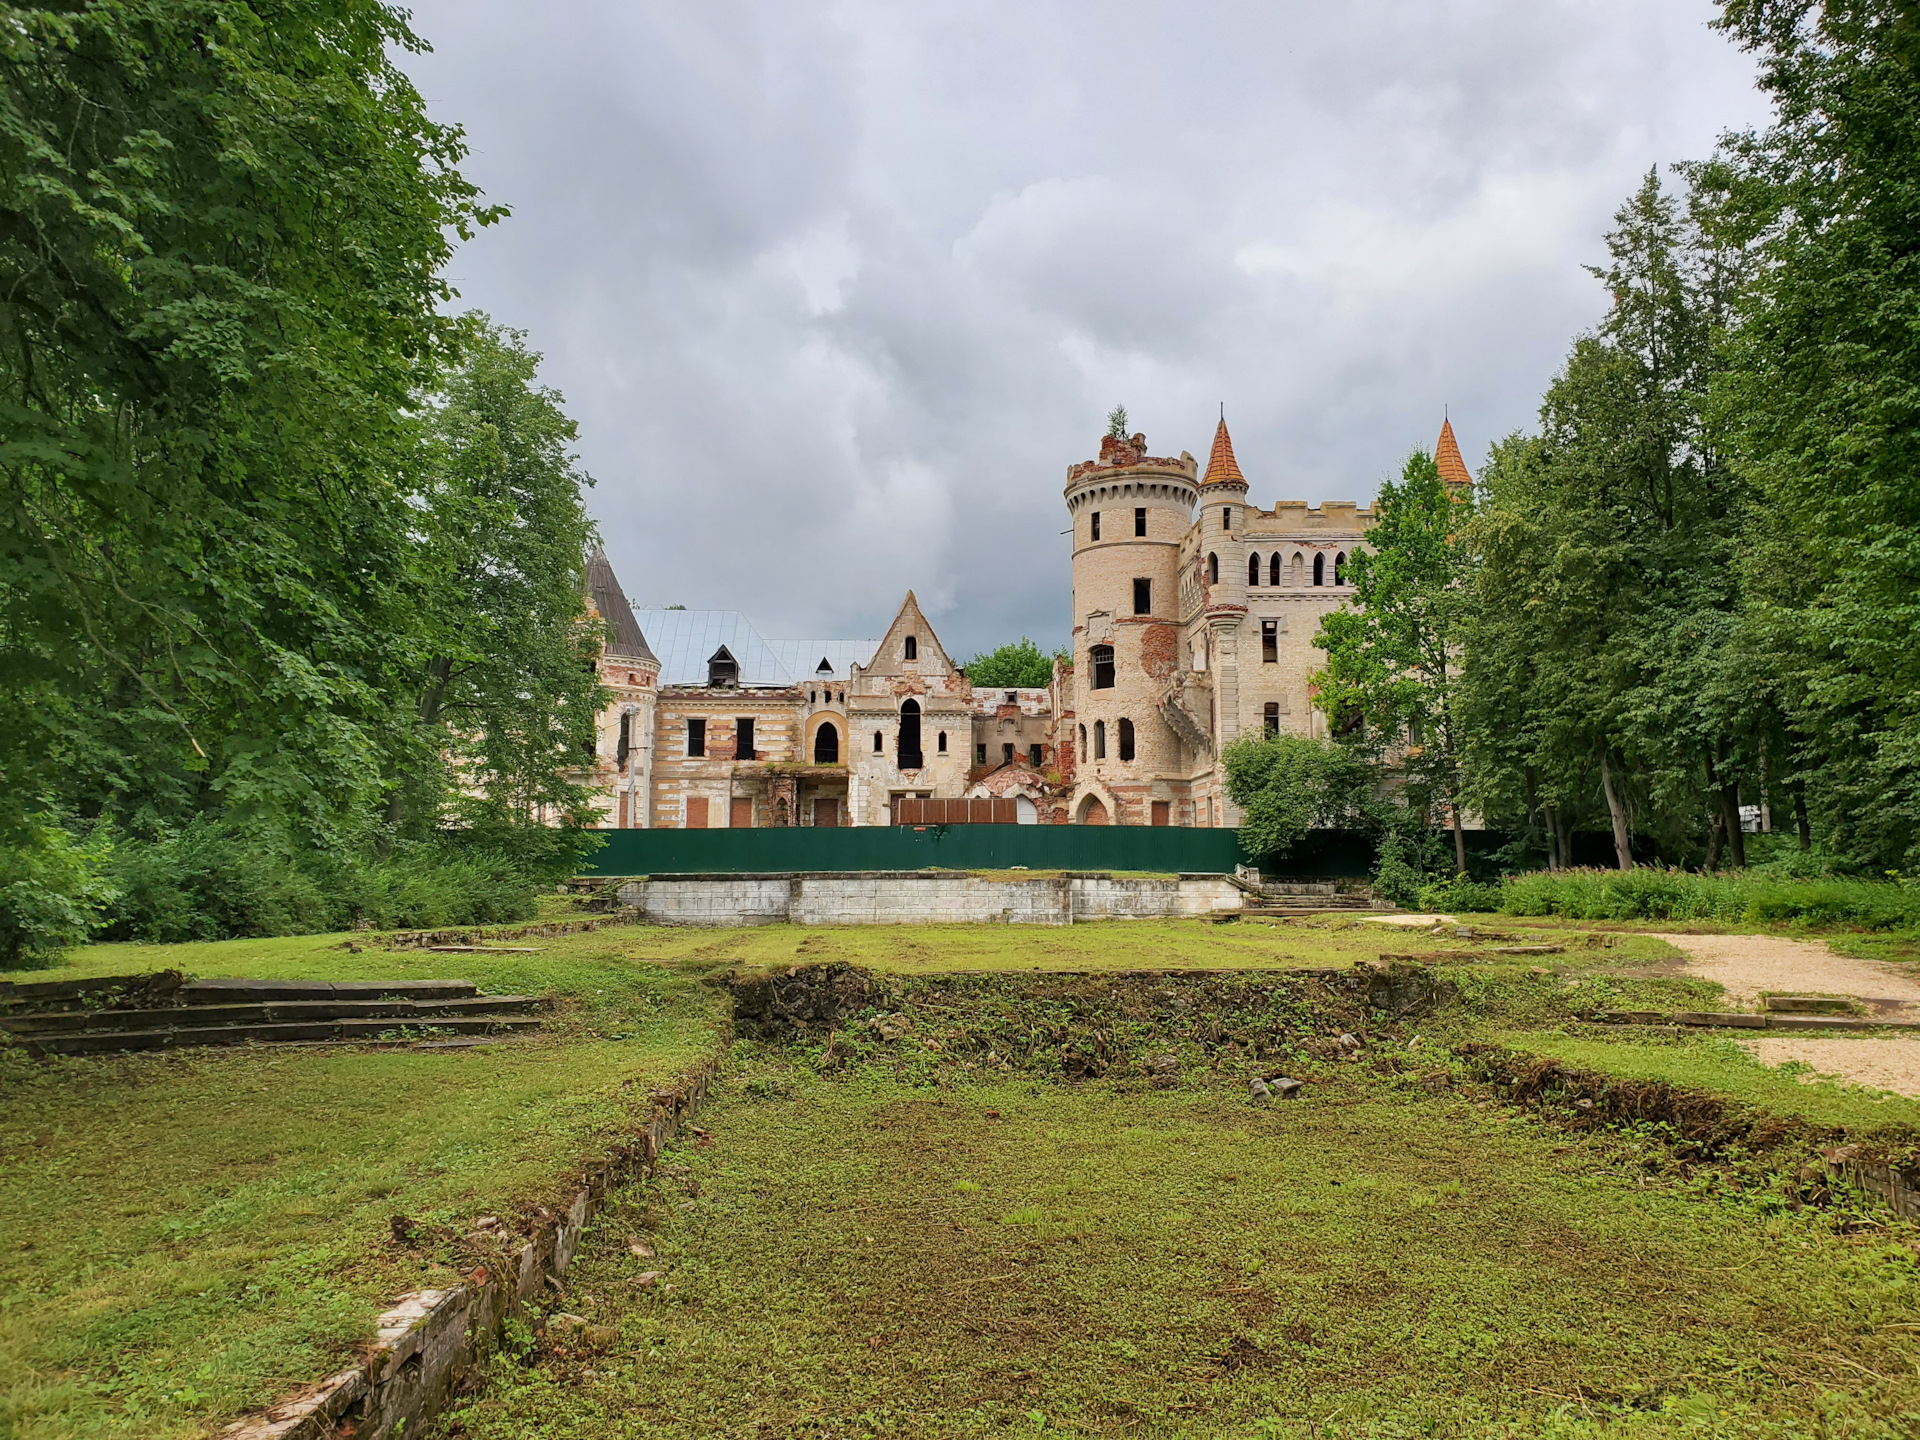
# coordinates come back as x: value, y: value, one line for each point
x: 1395, y: 879
x: 1460, y: 893
x: 1654, y: 894
x: 52, y: 891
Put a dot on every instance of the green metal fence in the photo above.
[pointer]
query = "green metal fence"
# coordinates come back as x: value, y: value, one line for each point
x: 900, y: 847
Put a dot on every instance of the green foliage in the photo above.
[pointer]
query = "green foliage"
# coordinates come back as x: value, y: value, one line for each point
x: 53, y: 890
x: 1396, y: 874
x: 1286, y: 785
x: 1652, y: 893
x: 1393, y: 658
x: 1460, y: 893
x: 1117, y: 423
x: 1017, y: 664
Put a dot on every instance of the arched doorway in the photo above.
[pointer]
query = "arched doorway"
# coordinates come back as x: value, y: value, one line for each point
x: 910, y: 757
x: 1093, y: 811
x: 826, y: 744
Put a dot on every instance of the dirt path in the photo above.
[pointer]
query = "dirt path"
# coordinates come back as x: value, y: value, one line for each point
x: 1882, y: 1063
x: 1749, y: 964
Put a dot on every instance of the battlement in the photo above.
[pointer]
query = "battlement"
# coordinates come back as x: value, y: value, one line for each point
x: 1123, y: 454
x: 1289, y: 515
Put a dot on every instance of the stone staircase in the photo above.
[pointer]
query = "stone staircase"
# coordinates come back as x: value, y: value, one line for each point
x: 1307, y: 897
x: 166, y: 1010
x: 1181, y: 717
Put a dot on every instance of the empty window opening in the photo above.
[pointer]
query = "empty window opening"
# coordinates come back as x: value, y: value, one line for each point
x: 1320, y: 569
x: 723, y: 671
x: 626, y: 738
x: 1006, y: 754
x: 879, y: 743
x: 1013, y: 697
x: 910, y: 648
x: 1340, y: 568
x: 1126, y: 739
x: 1099, y: 739
x: 940, y: 742
x: 1273, y: 569
x: 1083, y: 742
x: 980, y: 753
x: 1102, y: 656
x: 696, y: 738
x: 826, y: 746
x: 1226, y: 517
x: 1213, y: 569
x: 910, y: 756
x: 1142, y: 596
x: 825, y: 667
x: 1253, y: 570
x: 813, y: 697
x: 743, y: 738
x: 1270, y: 642
x: 840, y: 697
x: 1096, y: 524
x: 1140, y: 520
x: 1272, y: 720
x: 1035, y: 756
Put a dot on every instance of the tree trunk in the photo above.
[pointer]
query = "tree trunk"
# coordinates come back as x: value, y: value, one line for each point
x: 1729, y: 810
x: 1533, y: 810
x: 1716, y: 827
x: 1459, y: 839
x: 1553, y: 837
x: 1800, y: 817
x: 1617, y: 809
x: 1563, y: 832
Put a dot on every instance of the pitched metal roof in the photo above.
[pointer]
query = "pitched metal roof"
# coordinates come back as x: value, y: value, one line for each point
x: 628, y: 641
x: 687, y: 639
x: 802, y: 657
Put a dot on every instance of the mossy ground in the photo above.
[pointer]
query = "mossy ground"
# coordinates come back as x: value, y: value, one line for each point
x: 853, y: 1257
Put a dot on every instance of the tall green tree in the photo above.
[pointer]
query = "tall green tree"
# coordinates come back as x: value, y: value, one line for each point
x: 1393, y: 658
x: 1018, y: 663
x: 1289, y: 785
x: 222, y: 229
x: 1818, y: 403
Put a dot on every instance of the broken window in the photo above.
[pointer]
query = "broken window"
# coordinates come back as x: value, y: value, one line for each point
x: 1006, y: 754
x: 1099, y: 739
x: 1034, y: 756
x: 1213, y: 569
x: 696, y: 738
x: 910, y: 648
x: 1142, y: 596
x: 1226, y: 517
x: 1320, y: 569
x: 1096, y: 524
x: 626, y: 737
x: 1140, y: 520
x: 980, y: 753
x: 879, y: 744
x: 1273, y: 717
x: 1253, y: 570
x: 1270, y: 642
x: 743, y: 738
x: 910, y: 757
x: 1102, y: 656
x: 826, y: 746
x: 723, y: 671
x: 1126, y: 739
x: 1273, y: 569
x: 1083, y: 742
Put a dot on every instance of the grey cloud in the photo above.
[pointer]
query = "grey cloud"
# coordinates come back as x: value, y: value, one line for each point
x: 837, y: 291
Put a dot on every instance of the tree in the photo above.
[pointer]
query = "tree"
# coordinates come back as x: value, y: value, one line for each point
x: 1017, y: 664
x: 1818, y: 402
x: 1117, y: 422
x: 1393, y: 659
x: 222, y: 228
x: 1288, y: 785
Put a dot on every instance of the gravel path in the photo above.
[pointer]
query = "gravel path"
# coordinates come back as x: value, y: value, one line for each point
x: 1884, y: 1064
x: 1749, y: 964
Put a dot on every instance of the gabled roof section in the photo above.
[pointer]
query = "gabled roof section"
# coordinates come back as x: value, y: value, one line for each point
x: 803, y: 657
x: 1222, y: 468
x: 627, y: 640
x: 1446, y: 456
x: 687, y: 637
x: 890, y: 656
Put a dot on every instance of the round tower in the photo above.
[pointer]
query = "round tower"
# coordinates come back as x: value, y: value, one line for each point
x: 1130, y: 513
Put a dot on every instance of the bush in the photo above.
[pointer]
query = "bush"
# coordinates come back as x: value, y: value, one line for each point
x: 52, y: 892
x: 1653, y: 894
x: 1460, y: 893
x: 1396, y: 880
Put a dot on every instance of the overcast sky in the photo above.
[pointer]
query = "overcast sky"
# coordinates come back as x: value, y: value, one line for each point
x: 836, y: 292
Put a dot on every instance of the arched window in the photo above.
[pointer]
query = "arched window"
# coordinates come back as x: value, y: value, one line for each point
x: 1083, y: 742
x: 910, y: 756
x: 1102, y: 658
x: 1213, y: 569
x: 910, y: 649
x: 1273, y: 569
x: 1340, y: 568
x: 826, y: 746
x: 1126, y: 739
x: 1253, y: 570
x: 1099, y: 739
x: 1299, y: 569
x: 940, y: 742
x: 879, y: 744
x: 1320, y: 569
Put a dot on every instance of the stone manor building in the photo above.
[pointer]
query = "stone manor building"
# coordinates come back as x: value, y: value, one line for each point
x: 1194, y: 613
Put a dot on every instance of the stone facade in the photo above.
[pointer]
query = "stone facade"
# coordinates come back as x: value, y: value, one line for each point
x: 1194, y: 613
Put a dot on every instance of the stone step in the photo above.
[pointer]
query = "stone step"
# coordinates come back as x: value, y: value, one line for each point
x: 267, y: 1012
x: 171, y: 988
x: 95, y: 1042
x: 1806, y: 1004
x: 1736, y: 1020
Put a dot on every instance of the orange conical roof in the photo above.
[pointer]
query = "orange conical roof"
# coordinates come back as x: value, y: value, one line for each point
x: 1222, y: 468
x: 1446, y: 456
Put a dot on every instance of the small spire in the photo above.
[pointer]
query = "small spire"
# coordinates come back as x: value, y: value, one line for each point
x: 1446, y: 457
x: 1222, y: 468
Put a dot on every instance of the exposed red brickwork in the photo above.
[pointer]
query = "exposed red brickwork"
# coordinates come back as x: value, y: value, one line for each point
x: 1160, y: 650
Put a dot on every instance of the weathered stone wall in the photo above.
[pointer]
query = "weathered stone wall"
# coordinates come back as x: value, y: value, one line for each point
x: 919, y: 898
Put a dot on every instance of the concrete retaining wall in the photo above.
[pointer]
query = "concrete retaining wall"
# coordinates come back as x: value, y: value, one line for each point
x: 425, y: 1345
x: 912, y: 897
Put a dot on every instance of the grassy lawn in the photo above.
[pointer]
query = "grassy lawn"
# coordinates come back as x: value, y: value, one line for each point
x: 857, y: 1257
x: 191, y: 1234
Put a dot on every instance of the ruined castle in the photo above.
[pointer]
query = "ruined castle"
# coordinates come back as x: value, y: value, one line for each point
x: 1194, y: 613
